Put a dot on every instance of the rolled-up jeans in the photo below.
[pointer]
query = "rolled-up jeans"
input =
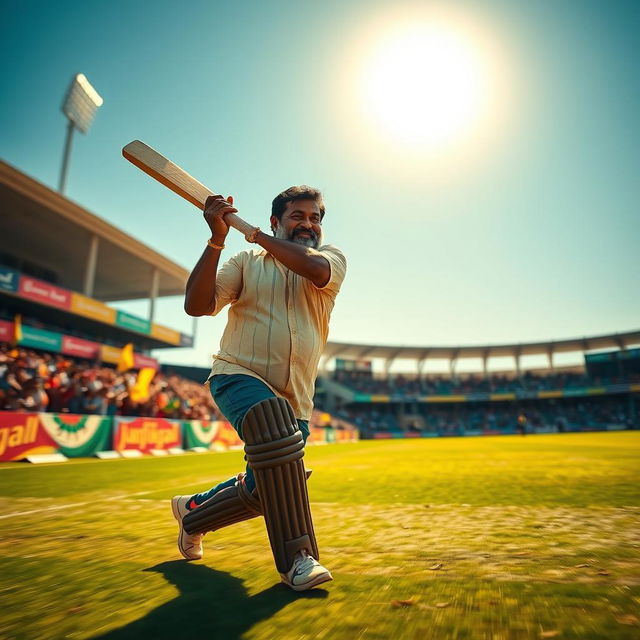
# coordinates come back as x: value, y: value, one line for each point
x: 234, y: 395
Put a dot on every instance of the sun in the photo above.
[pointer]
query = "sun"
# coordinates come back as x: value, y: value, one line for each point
x: 426, y: 84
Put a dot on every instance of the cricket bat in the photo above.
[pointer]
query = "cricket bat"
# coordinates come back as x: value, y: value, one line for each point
x: 178, y: 180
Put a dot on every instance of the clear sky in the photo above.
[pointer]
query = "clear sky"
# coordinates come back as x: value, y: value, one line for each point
x: 522, y: 226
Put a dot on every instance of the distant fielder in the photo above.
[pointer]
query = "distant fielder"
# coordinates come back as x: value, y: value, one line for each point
x: 281, y: 296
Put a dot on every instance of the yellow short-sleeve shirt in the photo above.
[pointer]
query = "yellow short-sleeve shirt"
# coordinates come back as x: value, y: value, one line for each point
x: 278, y: 322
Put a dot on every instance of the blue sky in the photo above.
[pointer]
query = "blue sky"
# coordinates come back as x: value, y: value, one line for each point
x: 532, y: 236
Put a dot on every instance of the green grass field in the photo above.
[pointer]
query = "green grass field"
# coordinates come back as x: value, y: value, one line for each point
x: 496, y: 538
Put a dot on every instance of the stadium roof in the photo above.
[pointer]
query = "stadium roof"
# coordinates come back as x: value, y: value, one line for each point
x: 42, y: 227
x: 390, y: 353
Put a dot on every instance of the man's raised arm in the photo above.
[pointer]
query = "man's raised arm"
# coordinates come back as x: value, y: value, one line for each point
x: 200, y: 295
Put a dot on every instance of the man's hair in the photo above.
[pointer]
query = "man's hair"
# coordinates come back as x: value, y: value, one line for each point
x: 293, y: 194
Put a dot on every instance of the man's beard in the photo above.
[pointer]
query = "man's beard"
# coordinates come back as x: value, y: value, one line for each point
x: 312, y: 241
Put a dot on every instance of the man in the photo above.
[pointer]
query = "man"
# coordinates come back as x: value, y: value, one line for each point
x: 281, y: 297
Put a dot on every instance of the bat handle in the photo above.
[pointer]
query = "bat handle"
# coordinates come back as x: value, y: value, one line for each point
x: 238, y: 223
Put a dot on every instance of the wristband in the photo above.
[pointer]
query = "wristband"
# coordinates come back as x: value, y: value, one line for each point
x: 251, y: 237
x: 213, y: 245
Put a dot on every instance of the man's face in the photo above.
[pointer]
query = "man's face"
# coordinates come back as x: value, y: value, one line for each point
x: 300, y: 223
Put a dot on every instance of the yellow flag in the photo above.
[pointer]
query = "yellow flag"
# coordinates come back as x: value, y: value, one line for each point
x: 125, y: 361
x: 17, y: 328
x: 140, y: 390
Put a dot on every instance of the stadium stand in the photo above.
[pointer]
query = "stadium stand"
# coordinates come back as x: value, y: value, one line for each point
x: 39, y: 381
x: 600, y: 394
x: 569, y: 415
x: 61, y: 266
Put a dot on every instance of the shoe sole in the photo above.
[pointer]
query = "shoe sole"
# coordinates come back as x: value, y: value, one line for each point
x: 178, y: 517
x: 323, y: 577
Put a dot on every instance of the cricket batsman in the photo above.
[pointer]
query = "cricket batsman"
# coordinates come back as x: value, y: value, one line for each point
x: 281, y: 295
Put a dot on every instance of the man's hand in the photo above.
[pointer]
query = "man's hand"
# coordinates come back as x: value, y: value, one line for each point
x: 214, y: 210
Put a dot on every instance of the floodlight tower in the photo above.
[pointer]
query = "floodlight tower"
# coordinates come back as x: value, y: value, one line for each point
x: 80, y: 106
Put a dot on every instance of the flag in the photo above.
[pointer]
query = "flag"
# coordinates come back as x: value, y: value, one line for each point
x: 125, y: 361
x: 140, y: 390
x: 17, y: 328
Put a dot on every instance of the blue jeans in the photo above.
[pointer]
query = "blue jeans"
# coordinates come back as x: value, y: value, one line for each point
x: 235, y: 394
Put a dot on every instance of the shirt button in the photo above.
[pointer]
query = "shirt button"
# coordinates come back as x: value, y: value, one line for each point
x: 293, y: 331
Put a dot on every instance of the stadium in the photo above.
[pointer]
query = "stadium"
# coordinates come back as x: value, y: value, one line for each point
x: 420, y: 412
x: 56, y: 317
x: 64, y: 397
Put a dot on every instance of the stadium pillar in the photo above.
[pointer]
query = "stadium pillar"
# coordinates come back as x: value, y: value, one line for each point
x: 387, y: 366
x: 452, y: 366
x: 153, y: 293
x: 516, y: 357
x: 90, y: 270
x: 550, y: 357
x: 421, y: 363
x: 485, y: 360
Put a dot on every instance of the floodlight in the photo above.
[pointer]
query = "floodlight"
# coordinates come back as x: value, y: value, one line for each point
x: 80, y: 106
x: 81, y: 103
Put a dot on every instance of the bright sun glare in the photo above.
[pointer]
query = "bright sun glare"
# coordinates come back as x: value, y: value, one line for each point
x: 426, y: 84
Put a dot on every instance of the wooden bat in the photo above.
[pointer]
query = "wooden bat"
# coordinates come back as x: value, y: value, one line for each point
x: 178, y: 180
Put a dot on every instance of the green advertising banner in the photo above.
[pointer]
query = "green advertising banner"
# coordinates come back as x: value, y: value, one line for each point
x: 198, y: 433
x: 78, y: 436
x: 41, y: 339
x: 24, y: 434
x: 129, y: 321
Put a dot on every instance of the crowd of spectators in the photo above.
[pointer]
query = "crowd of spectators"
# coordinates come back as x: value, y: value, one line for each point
x: 469, y: 383
x: 568, y: 414
x: 39, y: 381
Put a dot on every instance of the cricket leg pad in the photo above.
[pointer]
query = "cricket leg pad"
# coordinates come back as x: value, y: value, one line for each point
x: 228, y: 506
x: 274, y: 447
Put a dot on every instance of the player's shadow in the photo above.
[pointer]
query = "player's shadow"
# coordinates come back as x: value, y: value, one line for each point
x: 211, y: 604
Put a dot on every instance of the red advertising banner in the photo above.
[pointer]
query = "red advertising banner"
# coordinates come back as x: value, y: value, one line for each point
x: 6, y: 331
x: 140, y: 361
x: 81, y: 348
x: 44, y: 292
x: 145, y: 434
x: 22, y: 435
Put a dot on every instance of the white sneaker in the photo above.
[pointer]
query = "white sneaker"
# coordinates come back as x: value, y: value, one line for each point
x: 190, y: 546
x: 305, y: 573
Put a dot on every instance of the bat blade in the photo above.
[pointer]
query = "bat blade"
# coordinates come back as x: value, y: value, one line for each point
x: 176, y: 179
x: 166, y: 172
